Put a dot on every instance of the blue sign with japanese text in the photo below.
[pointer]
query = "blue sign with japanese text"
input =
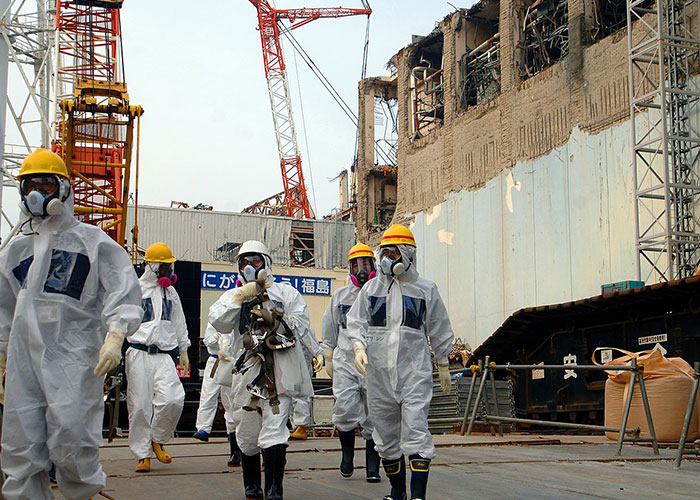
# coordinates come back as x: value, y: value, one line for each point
x: 218, y: 280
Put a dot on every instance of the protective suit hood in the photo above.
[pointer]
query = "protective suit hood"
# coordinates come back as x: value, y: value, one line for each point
x: 408, y: 257
x: 148, y: 279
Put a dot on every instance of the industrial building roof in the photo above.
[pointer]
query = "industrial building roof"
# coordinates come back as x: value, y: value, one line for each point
x: 207, y: 236
x: 527, y: 328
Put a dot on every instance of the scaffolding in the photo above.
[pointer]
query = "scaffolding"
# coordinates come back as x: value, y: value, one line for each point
x: 27, y: 38
x: 94, y: 122
x: 664, y: 110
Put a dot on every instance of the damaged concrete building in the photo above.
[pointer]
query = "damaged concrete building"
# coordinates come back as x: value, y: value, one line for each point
x: 514, y: 159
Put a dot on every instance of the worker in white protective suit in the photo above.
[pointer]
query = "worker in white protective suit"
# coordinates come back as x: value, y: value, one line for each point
x: 155, y: 396
x: 264, y: 428
x: 209, y: 398
x: 393, y: 319
x: 301, y: 407
x: 349, y: 387
x: 68, y: 297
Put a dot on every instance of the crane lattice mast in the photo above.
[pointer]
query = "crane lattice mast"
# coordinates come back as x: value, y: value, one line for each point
x: 93, y: 121
x: 296, y: 200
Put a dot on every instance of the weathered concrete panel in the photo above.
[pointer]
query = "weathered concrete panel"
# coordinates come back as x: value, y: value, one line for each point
x: 549, y: 230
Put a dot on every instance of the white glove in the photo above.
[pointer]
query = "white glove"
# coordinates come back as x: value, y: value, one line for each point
x: 3, y: 365
x: 245, y: 292
x: 184, y: 360
x: 110, y: 354
x: 328, y: 356
x: 360, y: 359
x: 318, y: 363
x: 444, y: 373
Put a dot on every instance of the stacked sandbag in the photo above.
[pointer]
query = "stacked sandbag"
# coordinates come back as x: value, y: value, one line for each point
x: 668, y: 383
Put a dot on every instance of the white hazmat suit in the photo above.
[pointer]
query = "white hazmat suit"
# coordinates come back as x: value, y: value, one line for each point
x: 291, y: 373
x: 349, y: 387
x: 394, y: 318
x: 63, y: 286
x: 210, y: 391
x: 155, y: 396
x: 301, y: 406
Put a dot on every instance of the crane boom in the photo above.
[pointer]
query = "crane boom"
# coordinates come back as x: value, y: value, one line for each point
x: 93, y: 122
x: 296, y: 199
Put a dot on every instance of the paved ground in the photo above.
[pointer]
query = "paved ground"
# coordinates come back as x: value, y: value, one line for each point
x: 513, y: 467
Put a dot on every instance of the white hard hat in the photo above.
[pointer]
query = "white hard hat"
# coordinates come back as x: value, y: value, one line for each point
x: 253, y: 247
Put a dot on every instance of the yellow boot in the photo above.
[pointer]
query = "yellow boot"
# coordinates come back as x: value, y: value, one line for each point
x: 144, y: 465
x: 299, y: 433
x: 162, y: 455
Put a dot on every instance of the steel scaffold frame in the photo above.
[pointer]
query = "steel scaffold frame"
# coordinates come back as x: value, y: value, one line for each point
x: 663, y: 50
x: 27, y: 32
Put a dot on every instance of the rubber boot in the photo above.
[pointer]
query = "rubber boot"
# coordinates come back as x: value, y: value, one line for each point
x: 372, y: 462
x: 347, y: 445
x: 420, y: 467
x: 396, y: 472
x: 144, y: 465
x: 201, y: 435
x: 162, y: 455
x: 251, y: 476
x: 299, y: 433
x: 274, y: 470
x: 235, y: 459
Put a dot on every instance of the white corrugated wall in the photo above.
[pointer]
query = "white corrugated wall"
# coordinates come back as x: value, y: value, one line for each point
x: 549, y: 230
x: 196, y: 234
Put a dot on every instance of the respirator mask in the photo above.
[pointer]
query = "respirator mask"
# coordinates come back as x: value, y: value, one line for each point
x: 361, y: 271
x: 392, y: 262
x: 249, y: 267
x: 43, y: 195
x: 164, y: 272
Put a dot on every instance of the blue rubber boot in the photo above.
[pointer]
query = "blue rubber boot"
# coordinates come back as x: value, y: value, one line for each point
x: 201, y: 435
x: 396, y: 472
x: 420, y: 467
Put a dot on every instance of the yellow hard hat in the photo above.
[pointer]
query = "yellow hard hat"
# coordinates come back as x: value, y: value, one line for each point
x: 360, y: 250
x: 397, y: 235
x: 159, y: 252
x: 43, y: 161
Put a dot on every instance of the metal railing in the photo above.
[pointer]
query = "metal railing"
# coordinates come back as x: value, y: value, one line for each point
x: 485, y: 370
x: 688, y: 417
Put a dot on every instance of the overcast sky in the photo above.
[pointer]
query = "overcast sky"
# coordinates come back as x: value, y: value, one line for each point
x: 207, y: 134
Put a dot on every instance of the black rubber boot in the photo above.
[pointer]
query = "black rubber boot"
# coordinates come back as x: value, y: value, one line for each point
x: 251, y: 476
x: 235, y: 459
x: 274, y: 471
x: 372, y: 462
x: 347, y: 445
x: 396, y: 472
x: 420, y: 467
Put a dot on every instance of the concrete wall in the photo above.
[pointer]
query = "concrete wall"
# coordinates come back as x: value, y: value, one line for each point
x: 549, y: 230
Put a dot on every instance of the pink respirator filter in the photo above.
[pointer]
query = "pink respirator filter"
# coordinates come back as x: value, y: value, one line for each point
x: 165, y: 282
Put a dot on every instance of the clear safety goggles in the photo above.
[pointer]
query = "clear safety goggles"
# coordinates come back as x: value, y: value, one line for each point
x: 46, y: 184
x: 361, y: 264
x: 253, y: 260
x: 390, y: 251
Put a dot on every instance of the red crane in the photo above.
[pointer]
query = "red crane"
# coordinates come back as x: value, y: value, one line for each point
x: 296, y: 200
